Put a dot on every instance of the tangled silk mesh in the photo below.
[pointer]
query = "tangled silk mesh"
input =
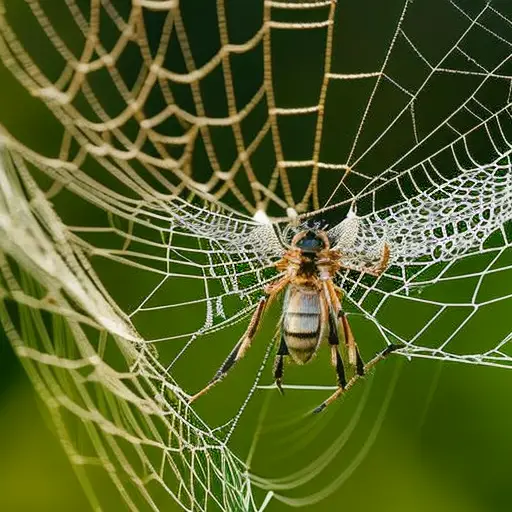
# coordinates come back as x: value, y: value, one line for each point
x: 174, y: 153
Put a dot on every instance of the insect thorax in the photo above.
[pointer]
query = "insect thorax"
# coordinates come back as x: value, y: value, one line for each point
x: 308, y: 266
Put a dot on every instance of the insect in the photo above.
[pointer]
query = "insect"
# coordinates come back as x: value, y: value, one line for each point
x: 312, y: 312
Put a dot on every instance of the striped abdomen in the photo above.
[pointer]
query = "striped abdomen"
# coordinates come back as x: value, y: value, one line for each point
x: 301, y: 329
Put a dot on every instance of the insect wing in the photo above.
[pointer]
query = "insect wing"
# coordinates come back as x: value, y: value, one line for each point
x: 434, y: 226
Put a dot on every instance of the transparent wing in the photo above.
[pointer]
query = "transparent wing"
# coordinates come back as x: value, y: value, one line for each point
x: 233, y: 233
x: 445, y: 222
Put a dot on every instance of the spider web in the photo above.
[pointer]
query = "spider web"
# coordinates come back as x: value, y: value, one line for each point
x: 185, y: 147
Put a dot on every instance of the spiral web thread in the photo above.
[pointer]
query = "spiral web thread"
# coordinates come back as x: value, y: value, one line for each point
x: 166, y: 198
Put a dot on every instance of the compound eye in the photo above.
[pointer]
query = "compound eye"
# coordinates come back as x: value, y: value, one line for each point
x: 311, y: 242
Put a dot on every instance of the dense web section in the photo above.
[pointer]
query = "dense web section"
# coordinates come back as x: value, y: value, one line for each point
x: 191, y: 144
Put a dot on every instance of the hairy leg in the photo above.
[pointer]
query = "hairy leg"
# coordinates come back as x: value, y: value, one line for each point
x: 388, y: 350
x: 336, y: 360
x: 333, y: 295
x: 245, y: 341
x: 279, y: 364
x: 379, y: 268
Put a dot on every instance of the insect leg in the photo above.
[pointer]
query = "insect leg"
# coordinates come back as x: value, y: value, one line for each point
x: 245, y: 342
x: 279, y: 364
x: 334, y: 295
x: 383, y: 263
x: 336, y: 359
x: 353, y: 349
x: 379, y: 357
x: 376, y: 270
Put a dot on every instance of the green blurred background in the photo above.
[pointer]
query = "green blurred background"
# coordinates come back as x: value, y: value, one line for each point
x: 444, y: 441
x: 444, y: 445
